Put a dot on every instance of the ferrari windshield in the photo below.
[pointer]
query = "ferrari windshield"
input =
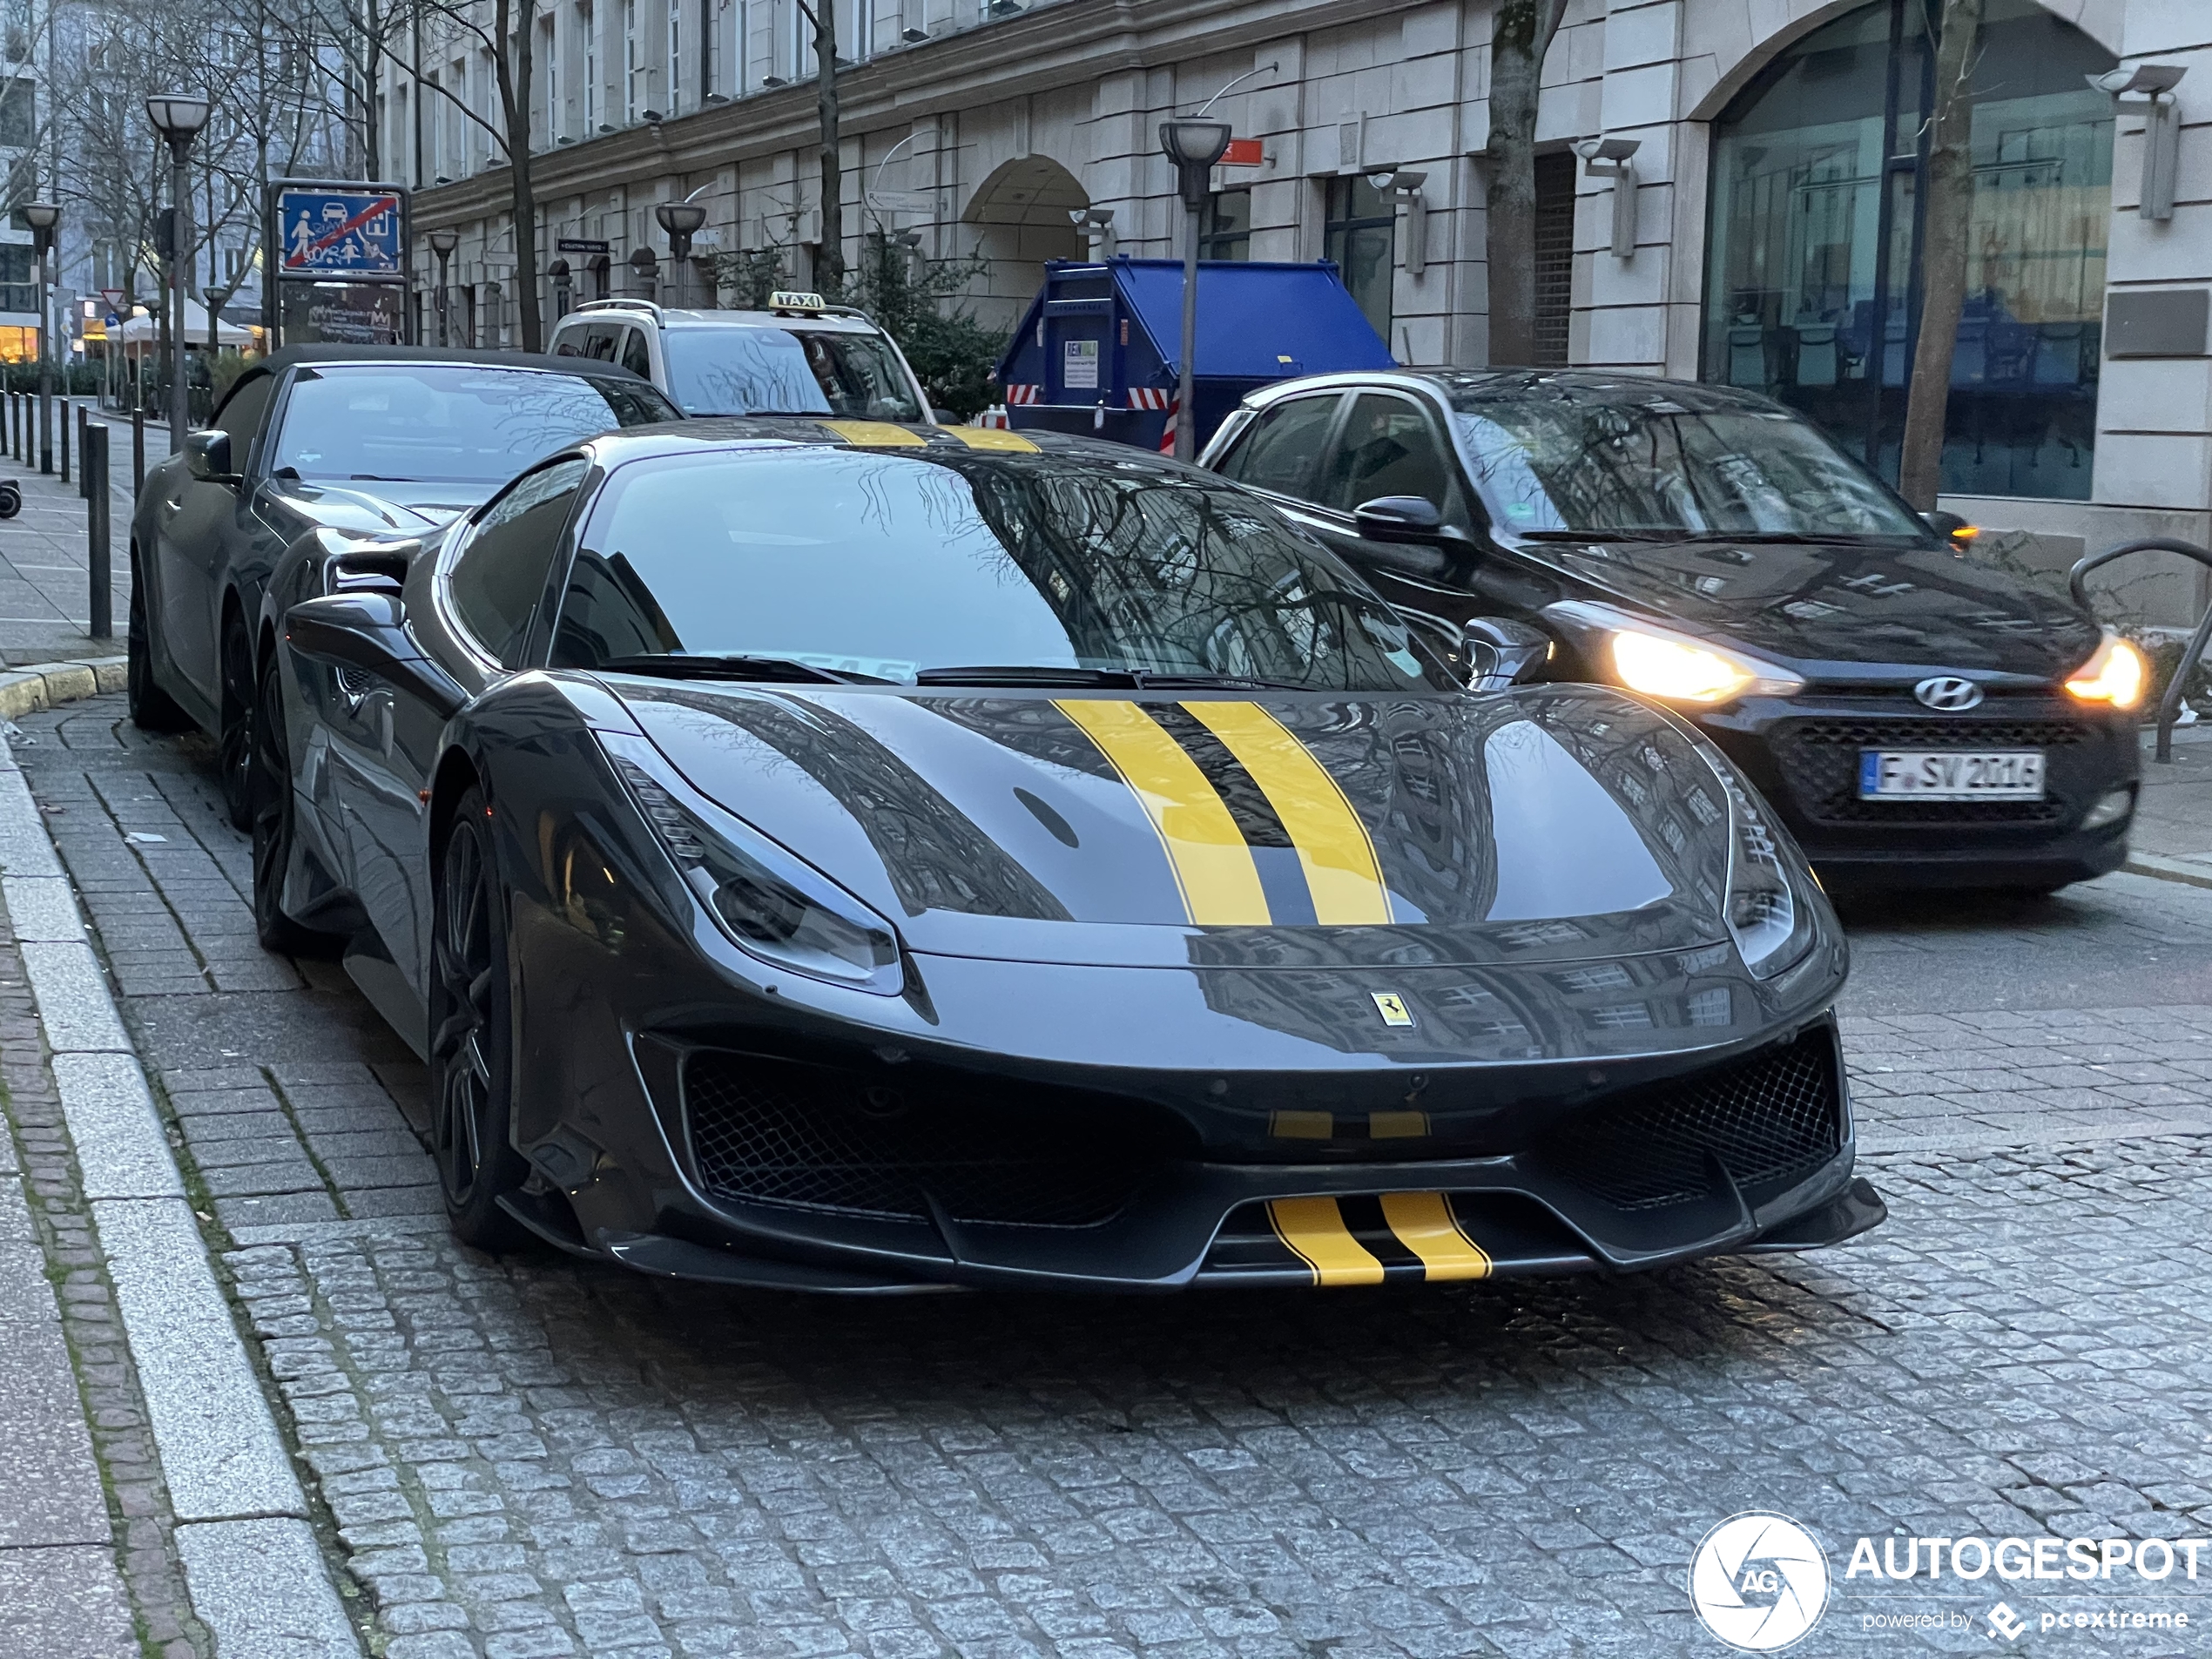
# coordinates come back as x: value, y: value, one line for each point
x: 1647, y: 465
x: 782, y: 371
x: 950, y: 566
x: 445, y: 422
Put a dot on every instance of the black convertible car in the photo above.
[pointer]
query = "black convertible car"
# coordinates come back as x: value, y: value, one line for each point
x: 1917, y: 718
x: 384, y: 439
x: 841, y: 855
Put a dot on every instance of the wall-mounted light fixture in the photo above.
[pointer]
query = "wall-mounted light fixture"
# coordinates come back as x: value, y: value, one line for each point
x: 1612, y: 159
x: 1096, y: 227
x: 2150, y: 87
x: 1406, y: 182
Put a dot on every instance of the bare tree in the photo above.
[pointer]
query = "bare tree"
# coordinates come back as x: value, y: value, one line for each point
x: 510, y: 40
x: 1947, y: 216
x: 1521, y: 33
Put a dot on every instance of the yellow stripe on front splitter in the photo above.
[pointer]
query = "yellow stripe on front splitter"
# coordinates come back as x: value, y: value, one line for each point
x: 1314, y: 1231
x: 1424, y: 1223
x: 1334, y: 849
x: 1213, y: 867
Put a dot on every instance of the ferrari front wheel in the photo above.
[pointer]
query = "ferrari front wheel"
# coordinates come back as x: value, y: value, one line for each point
x: 270, y: 808
x: 472, y: 1067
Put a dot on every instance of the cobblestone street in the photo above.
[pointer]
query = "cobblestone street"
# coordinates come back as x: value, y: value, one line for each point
x: 540, y: 1456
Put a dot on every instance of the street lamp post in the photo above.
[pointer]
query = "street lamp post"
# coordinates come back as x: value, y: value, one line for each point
x: 1194, y: 145
x: 42, y: 217
x: 681, y: 220
x: 178, y: 116
x: 443, y: 243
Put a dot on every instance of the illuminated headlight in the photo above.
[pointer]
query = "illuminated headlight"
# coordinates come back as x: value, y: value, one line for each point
x: 1685, y: 670
x: 2115, y: 673
x: 772, y: 905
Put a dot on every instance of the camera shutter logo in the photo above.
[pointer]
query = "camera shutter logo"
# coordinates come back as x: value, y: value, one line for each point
x: 1948, y: 692
x: 1758, y: 1582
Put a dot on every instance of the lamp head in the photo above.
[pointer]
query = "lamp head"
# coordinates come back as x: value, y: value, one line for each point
x: 41, y: 216
x: 1194, y: 143
x: 680, y: 218
x: 914, y: 37
x: 2144, y: 80
x: 443, y: 242
x: 1615, y: 149
x: 177, y: 116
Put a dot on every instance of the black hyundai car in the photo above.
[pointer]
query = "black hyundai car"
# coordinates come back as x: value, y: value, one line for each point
x: 1915, y: 717
x: 389, y: 438
x: 843, y: 855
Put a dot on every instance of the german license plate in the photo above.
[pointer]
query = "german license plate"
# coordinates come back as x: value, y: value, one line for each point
x: 1951, y: 774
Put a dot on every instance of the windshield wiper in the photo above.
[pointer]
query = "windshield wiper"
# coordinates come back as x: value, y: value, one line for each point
x: 1027, y: 674
x: 1602, y: 536
x: 1231, y: 682
x: 731, y: 665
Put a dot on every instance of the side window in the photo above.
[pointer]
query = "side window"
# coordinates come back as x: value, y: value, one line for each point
x: 1387, y: 447
x: 568, y: 343
x: 1280, y: 449
x: 608, y: 612
x: 599, y: 340
x: 636, y: 357
x: 501, y: 575
x: 241, y: 414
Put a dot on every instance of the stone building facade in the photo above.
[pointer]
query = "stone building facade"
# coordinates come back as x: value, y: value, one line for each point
x: 1774, y: 232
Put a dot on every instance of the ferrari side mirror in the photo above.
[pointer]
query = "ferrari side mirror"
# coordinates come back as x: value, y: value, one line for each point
x: 368, y: 631
x: 207, y: 457
x: 1501, y: 653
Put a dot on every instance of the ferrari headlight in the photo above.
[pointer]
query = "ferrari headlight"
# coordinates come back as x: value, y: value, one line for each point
x: 772, y: 905
x: 2115, y: 673
x: 1683, y: 671
x: 1769, y: 915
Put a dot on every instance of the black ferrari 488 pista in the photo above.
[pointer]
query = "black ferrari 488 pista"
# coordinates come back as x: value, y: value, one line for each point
x: 849, y: 856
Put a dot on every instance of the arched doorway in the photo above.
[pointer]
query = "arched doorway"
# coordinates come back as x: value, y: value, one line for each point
x: 1021, y: 212
x: 1812, y: 258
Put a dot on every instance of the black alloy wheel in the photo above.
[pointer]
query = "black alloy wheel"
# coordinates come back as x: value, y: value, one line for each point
x: 151, y: 708
x: 235, y: 741
x: 472, y: 1039
x: 268, y: 788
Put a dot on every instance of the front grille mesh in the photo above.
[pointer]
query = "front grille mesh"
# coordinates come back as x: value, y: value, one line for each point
x: 771, y: 1131
x: 1771, y: 1119
x: 1819, y: 763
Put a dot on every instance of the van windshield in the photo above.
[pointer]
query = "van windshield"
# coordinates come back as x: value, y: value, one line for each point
x: 784, y: 371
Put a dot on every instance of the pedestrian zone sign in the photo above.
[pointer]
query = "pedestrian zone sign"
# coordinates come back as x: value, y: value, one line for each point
x: 338, y: 234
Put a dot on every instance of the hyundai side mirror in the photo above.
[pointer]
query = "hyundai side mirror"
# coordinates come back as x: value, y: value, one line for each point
x: 1401, y: 518
x: 367, y: 629
x: 1958, y: 531
x: 1502, y: 653
x: 207, y: 457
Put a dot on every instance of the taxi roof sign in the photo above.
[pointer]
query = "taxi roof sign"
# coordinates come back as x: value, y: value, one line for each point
x: 792, y: 299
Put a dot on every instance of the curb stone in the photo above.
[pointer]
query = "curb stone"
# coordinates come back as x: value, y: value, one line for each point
x: 253, y: 1570
x: 2166, y: 869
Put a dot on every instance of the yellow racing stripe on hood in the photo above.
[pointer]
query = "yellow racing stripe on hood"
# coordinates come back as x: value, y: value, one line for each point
x: 876, y: 435
x: 1213, y: 867
x: 1314, y: 1231
x: 994, y: 438
x: 1425, y: 1225
x: 1334, y: 849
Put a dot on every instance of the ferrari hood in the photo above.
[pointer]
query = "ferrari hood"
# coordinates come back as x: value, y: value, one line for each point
x: 1839, y: 611
x: 1547, y: 823
x: 380, y: 507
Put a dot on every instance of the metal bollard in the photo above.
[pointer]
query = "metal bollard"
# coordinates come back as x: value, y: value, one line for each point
x: 99, y: 509
x: 64, y: 415
x: 137, y: 452
x: 84, y: 420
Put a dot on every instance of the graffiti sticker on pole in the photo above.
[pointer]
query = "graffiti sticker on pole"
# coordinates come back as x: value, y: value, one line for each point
x: 338, y: 233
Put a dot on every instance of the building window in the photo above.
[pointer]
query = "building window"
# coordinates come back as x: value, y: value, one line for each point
x: 1811, y: 294
x: 556, y: 124
x: 1553, y: 259
x: 629, y: 60
x: 1227, y: 232
x: 18, y: 113
x: 591, y: 70
x: 18, y: 288
x: 1362, y: 238
x: 675, y: 56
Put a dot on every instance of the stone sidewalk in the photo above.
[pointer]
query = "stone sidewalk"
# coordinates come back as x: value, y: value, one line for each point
x: 44, y: 588
x: 2173, y: 833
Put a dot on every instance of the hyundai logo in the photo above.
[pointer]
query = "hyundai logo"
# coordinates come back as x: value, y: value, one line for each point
x: 1948, y: 692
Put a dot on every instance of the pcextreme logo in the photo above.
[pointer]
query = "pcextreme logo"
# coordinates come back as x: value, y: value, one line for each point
x: 1759, y: 1583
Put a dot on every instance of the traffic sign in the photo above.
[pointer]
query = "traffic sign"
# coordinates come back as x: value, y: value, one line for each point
x: 112, y: 320
x: 114, y: 298
x: 336, y: 233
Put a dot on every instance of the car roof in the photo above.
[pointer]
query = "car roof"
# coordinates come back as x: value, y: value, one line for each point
x: 645, y: 315
x: 1469, y: 387
x: 735, y: 433
x: 285, y: 359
